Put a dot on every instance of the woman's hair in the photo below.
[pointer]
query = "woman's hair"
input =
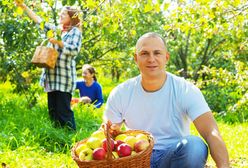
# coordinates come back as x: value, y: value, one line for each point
x: 91, y: 69
x: 74, y: 15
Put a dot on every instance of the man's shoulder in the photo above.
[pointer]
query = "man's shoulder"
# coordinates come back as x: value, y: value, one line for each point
x: 179, y: 83
x: 176, y: 78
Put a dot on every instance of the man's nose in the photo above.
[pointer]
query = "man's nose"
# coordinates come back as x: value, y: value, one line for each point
x: 151, y: 57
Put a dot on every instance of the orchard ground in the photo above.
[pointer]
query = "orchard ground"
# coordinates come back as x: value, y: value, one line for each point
x: 28, y: 139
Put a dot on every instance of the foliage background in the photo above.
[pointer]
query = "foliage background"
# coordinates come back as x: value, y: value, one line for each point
x: 207, y: 41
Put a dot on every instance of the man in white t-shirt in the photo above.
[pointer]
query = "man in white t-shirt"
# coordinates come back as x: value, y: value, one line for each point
x: 164, y: 104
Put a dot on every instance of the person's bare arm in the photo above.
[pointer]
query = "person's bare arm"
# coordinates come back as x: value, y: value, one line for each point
x: 29, y: 12
x: 58, y: 42
x: 207, y: 127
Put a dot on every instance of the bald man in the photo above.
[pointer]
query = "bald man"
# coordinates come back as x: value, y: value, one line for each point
x: 164, y: 105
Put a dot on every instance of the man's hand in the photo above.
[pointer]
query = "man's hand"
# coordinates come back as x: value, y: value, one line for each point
x: 115, y: 129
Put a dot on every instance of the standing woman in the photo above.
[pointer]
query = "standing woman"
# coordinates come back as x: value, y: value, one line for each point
x: 60, y: 82
x: 90, y: 90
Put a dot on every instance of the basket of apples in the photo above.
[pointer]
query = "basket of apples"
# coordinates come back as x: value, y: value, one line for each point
x: 128, y: 149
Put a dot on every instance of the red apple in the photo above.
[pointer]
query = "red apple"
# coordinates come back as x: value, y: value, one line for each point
x: 99, y: 154
x: 117, y: 143
x: 124, y: 150
x: 104, y: 144
x: 141, y: 145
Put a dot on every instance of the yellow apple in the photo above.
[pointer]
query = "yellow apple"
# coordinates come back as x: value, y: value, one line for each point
x: 141, y: 136
x: 98, y: 134
x: 89, y: 157
x: 80, y: 148
x: 141, y: 145
x: 133, y: 153
x: 82, y: 156
x: 87, y: 151
x: 130, y: 140
x: 86, y: 154
x: 121, y: 137
x: 94, y: 142
x: 115, y: 155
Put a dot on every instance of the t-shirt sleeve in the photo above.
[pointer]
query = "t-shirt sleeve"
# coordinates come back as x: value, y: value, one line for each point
x: 194, y: 102
x: 113, y: 108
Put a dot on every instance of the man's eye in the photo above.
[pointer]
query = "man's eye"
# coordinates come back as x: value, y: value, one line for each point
x: 144, y: 54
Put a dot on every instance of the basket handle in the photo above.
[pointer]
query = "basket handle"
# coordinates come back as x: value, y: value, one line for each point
x: 43, y: 42
x: 107, y: 126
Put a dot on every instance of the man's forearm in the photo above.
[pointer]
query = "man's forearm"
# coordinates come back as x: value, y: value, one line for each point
x: 218, y: 151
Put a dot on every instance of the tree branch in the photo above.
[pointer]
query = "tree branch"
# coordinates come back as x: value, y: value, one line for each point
x: 204, y: 59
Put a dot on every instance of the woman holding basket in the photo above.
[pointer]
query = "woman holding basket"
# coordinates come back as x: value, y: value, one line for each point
x: 60, y: 82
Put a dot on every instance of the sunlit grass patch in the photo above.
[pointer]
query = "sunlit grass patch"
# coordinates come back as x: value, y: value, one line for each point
x: 236, y: 139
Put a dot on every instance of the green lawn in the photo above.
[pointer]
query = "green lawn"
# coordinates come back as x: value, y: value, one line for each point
x: 27, y: 138
x: 236, y: 139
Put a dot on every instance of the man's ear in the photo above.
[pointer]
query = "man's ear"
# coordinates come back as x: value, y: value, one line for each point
x: 135, y: 57
x: 167, y: 56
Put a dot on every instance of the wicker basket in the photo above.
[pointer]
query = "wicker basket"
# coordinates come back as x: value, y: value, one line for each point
x: 45, y: 57
x: 139, y: 160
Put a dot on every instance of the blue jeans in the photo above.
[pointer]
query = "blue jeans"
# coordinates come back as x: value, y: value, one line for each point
x: 188, y: 152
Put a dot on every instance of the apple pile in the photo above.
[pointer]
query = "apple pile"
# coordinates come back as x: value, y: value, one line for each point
x: 95, y: 147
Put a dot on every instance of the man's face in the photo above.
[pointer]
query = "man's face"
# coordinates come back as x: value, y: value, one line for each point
x: 151, y: 57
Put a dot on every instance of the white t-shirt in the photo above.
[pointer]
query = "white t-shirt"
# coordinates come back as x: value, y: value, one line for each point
x: 166, y: 113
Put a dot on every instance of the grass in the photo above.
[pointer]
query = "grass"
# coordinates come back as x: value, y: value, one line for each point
x: 28, y: 139
x: 236, y: 141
